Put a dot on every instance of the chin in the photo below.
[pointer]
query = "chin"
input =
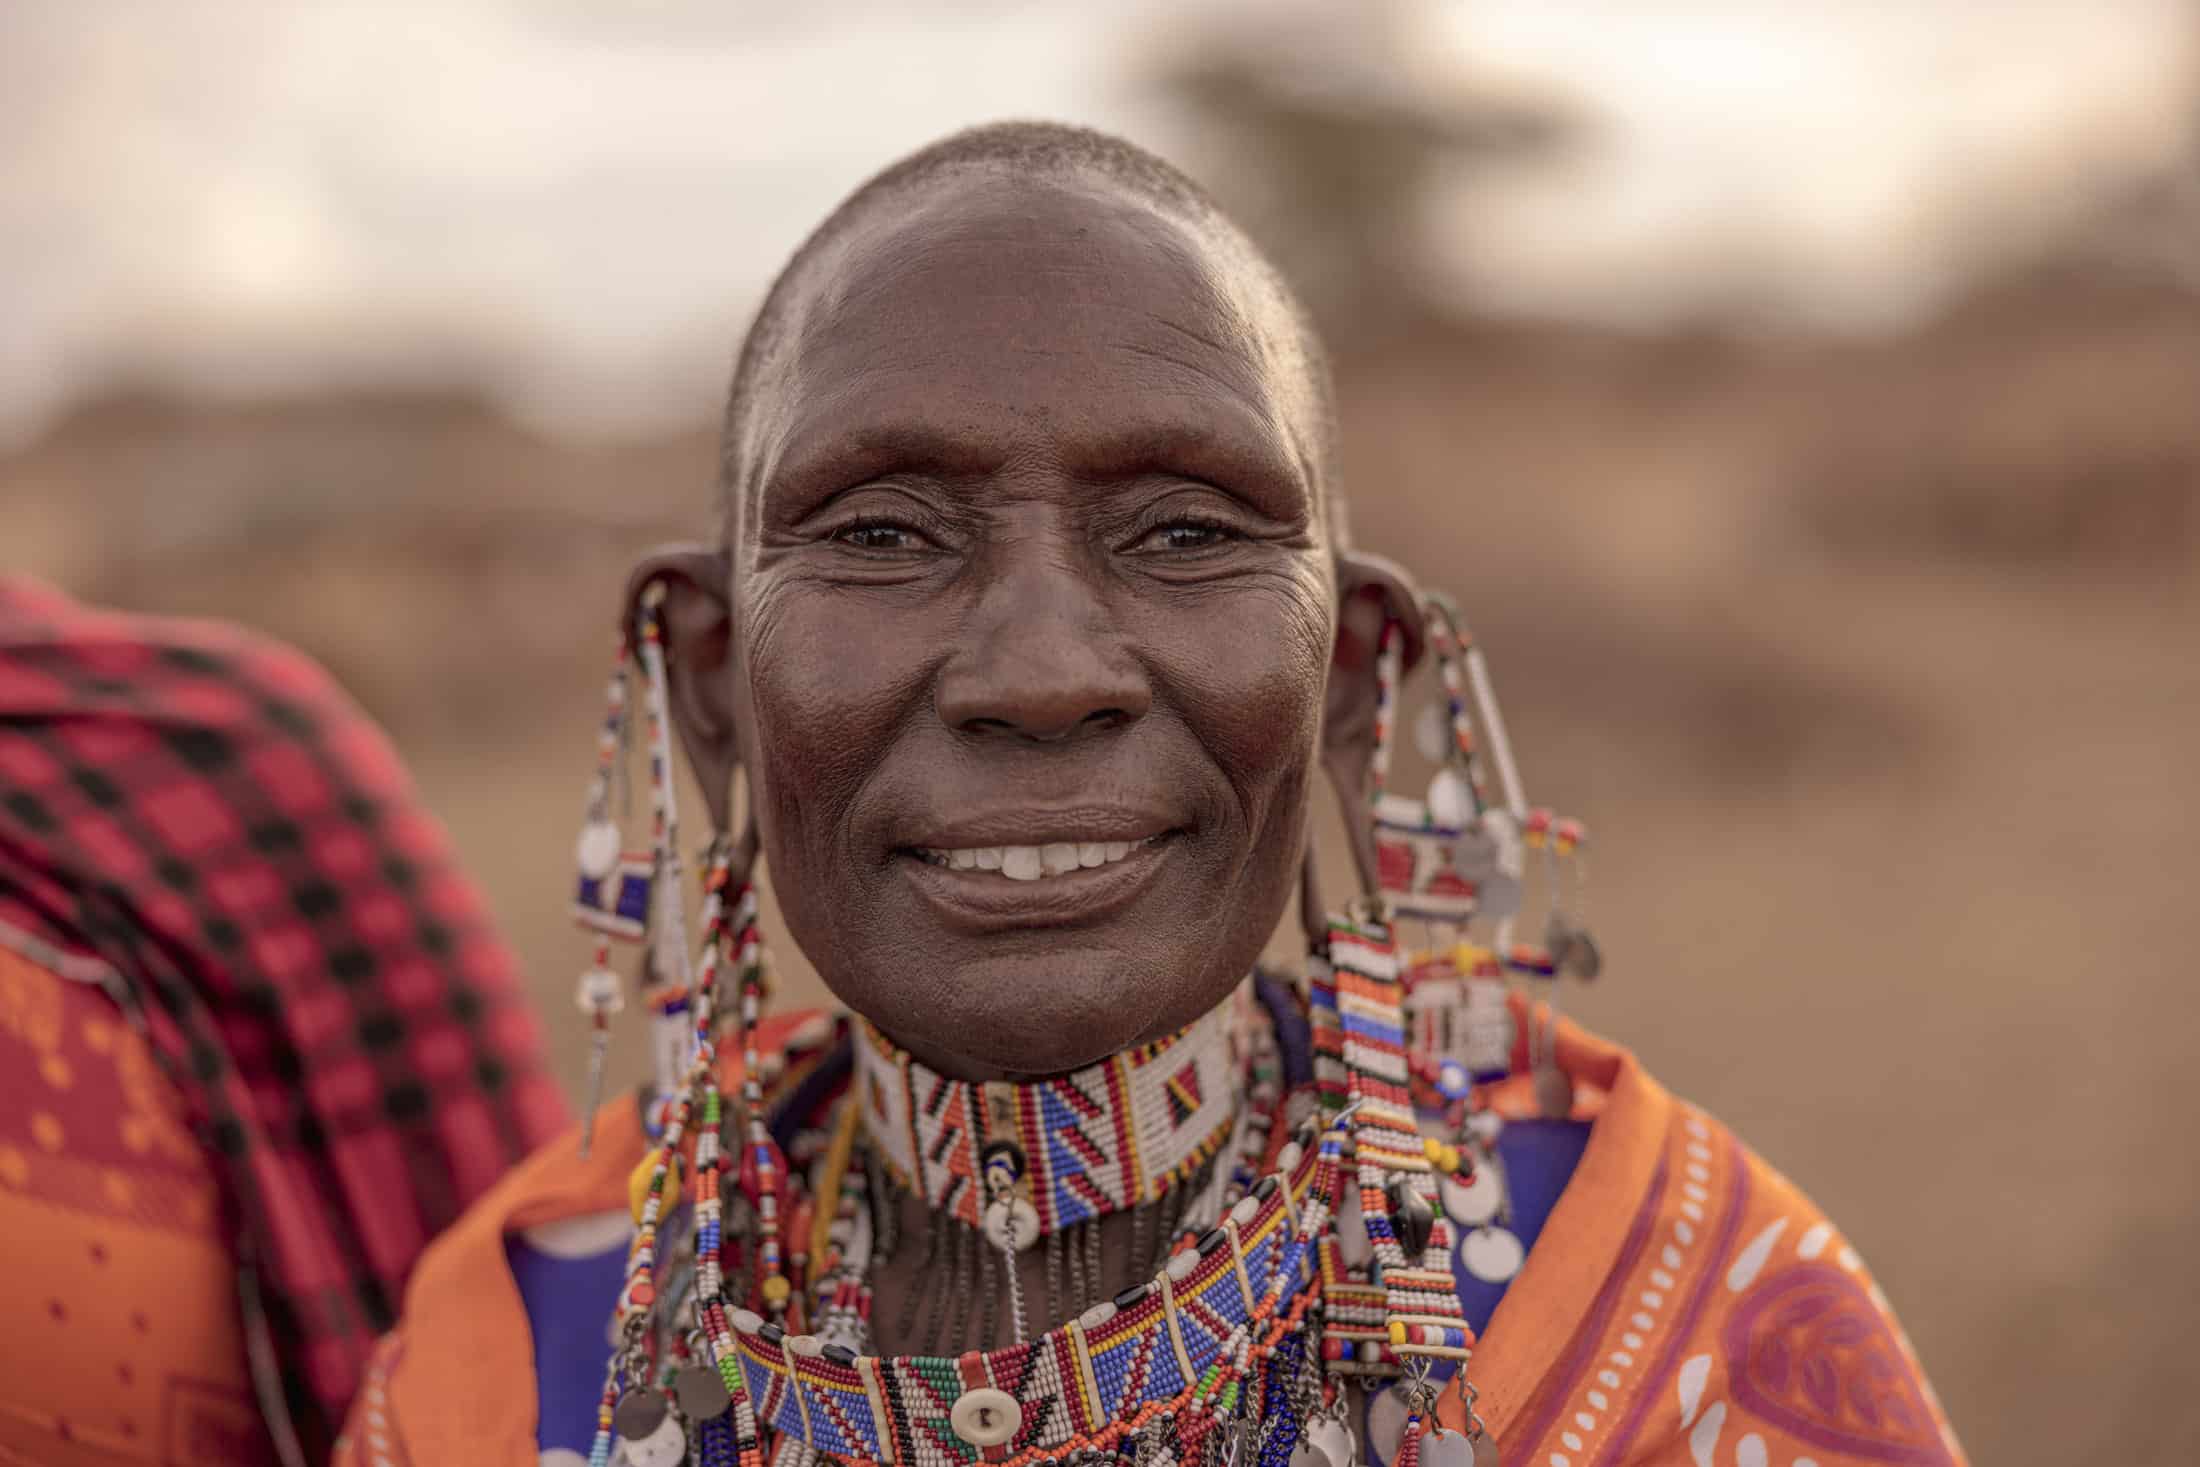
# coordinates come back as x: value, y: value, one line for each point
x: 1042, y: 1014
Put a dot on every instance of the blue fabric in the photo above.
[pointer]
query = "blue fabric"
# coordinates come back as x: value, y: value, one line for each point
x: 1539, y: 1158
x: 568, y: 1302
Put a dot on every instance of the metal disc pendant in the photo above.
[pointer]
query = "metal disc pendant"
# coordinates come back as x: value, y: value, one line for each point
x: 1476, y: 1202
x: 1485, y: 1451
x: 1474, y: 856
x: 597, y: 851
x: 1498, y: 894
x: 701, y: 1392
x: 1492, y: 1254
x: 1554, y: 1094
x: 1444, y: 1447
x: 1558, y: 941
x: 1583, y: 958
x: 1324, y: 1443
x: 665, y: 1447
x: 637, y: 1414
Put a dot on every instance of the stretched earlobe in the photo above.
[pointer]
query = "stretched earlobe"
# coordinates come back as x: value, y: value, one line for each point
x: 1372, y: 592
x: 694, y: 584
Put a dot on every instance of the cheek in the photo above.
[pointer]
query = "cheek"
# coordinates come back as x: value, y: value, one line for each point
x: 1250, y: 670
x: 825, y: 681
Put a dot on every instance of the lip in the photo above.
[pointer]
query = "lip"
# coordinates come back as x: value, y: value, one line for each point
x: 986, y: 901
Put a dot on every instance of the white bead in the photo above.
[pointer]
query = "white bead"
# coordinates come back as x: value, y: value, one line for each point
x: 599, y: 991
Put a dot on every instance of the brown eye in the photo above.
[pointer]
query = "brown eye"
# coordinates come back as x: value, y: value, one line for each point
x: 878, y: 535
x: 1186, y: 535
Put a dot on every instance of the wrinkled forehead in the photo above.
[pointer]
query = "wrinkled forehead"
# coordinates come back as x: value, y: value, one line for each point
x: 988, y: 310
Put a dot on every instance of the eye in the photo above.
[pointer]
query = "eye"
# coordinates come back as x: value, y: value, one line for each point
x: 880, y: 536
x: 1186, y: 536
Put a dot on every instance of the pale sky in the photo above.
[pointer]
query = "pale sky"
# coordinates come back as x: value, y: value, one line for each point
x: 575, y: 202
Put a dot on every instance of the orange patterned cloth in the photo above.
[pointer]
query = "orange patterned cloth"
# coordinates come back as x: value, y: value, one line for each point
x: 1687, y: 1306
x: 120, y: 1292
x: 1684, y: 1306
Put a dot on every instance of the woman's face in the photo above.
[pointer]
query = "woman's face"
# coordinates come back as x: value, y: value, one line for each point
x: 1032, y: 611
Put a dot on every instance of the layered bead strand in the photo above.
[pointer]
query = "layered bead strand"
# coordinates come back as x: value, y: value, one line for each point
x: 658, y: 1176
x: 763, y: 1167
x: 1449, y: 643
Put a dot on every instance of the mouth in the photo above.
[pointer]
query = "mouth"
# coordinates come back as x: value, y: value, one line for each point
x: 1038, y: 862
x: 1044, y: 883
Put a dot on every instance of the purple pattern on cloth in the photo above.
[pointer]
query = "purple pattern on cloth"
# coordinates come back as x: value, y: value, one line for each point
x: 1810, y: 1353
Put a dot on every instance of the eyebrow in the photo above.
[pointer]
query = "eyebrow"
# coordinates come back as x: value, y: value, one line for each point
x: 1223, y: 444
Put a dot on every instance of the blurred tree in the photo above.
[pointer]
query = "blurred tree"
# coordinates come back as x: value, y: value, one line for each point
x: 1325, y: 130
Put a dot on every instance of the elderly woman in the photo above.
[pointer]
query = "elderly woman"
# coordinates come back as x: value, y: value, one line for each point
x: 1031, y: 622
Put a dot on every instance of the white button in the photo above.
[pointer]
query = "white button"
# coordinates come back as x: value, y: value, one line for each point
x: 597, y: 850
x: 986, y: 1417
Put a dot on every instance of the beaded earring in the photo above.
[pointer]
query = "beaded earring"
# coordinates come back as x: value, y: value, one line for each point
x: 1391, y: 1305
x: 634, y: 896
x: 612, y: 895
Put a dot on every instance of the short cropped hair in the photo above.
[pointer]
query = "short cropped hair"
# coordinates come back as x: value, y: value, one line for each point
x: 1039, y: 151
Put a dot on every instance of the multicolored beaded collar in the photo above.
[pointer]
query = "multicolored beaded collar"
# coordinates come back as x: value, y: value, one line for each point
x: 1168, y: 1343
x: 1095, y: 1141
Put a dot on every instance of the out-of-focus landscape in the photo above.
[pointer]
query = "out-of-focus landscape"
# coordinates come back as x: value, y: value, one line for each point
x: 1803, y: 401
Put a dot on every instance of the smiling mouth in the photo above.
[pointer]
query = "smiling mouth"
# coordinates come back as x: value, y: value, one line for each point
x: 1036, y: 862
x: 1045, y: 884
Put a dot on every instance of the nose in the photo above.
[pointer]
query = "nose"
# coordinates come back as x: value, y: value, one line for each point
x: 1041, y: 661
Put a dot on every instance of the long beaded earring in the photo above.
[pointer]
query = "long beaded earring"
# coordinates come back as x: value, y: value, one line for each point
x: 1391, y: 1305
x: 629, y: 896
x: 612, y: 890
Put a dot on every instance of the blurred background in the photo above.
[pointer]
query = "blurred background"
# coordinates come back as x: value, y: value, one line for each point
x: 1803, y: 399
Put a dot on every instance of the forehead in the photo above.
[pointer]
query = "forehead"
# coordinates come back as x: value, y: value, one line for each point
x: 997, y: 316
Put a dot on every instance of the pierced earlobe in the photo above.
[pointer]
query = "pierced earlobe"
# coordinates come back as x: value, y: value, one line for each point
x: 1372, y: 594
x: 692, y: 587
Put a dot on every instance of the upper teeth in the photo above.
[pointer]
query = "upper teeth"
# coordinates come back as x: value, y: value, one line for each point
x: 1029, y: 863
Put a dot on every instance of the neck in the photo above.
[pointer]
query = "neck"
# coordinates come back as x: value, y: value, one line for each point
x: 1106, y: 1164
x: 1127, y: 1130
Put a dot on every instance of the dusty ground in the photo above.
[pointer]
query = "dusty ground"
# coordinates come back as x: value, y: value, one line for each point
x: 1872, y: 669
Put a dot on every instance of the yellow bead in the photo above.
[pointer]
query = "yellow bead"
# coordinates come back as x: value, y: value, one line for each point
x: 637, y: 1185
x: 1434, y: 1148
x: 776, y: 1289
x: 1397, y: 1332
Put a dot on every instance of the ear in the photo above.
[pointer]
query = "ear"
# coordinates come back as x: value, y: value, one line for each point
x: 1371, y: 591
x: 697, y: 611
